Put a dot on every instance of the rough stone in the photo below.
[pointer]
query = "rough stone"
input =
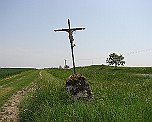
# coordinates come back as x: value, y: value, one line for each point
x: 77, y: 87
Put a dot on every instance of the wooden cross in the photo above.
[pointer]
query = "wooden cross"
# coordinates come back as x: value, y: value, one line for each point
x: 70, y: 31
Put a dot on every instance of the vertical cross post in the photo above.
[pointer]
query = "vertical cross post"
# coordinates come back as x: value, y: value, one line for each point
x: 70, y: 32
x: 72, y: 45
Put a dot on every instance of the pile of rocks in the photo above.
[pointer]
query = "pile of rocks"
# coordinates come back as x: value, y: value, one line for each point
x: 77, y: 87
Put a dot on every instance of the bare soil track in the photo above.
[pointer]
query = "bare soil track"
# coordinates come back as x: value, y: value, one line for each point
x: 10, y: 110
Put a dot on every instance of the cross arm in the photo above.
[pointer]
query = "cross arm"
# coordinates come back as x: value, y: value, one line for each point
x: 74, y: 29
x: 61, y: 30
x: 67, y: 30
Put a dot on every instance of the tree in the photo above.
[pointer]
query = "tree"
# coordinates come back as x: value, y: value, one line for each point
x: 115, y: 59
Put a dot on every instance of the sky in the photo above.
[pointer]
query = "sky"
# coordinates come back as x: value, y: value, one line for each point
x: 27, y: 38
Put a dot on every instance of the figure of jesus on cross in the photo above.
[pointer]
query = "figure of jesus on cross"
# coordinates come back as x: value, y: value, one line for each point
x: 70, y: 32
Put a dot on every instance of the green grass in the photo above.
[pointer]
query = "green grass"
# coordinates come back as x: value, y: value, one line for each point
x: 7, y: 72
x: 9, y: 86
x: 119, y: 96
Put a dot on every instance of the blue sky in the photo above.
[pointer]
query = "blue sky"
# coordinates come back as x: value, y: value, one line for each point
x: 27, y: 38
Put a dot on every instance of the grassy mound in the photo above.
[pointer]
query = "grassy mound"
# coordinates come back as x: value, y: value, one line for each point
x: 119, y: 95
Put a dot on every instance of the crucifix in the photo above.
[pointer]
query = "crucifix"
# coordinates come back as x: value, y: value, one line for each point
x: 70, y: 32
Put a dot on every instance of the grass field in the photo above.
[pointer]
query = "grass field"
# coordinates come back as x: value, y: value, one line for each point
x: 120, y: 95
x: 7, y: 72
x: 15, y: 79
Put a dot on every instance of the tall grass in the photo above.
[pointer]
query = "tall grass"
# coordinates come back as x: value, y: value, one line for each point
x: 119, y: 95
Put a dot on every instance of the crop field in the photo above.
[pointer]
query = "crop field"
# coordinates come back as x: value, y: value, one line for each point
x: 7, y: 72
x: 120, y: 95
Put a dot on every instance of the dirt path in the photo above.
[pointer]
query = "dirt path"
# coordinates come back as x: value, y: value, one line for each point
x: 10, y: 109
x: 150, y: 75
x: 40, y: 74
